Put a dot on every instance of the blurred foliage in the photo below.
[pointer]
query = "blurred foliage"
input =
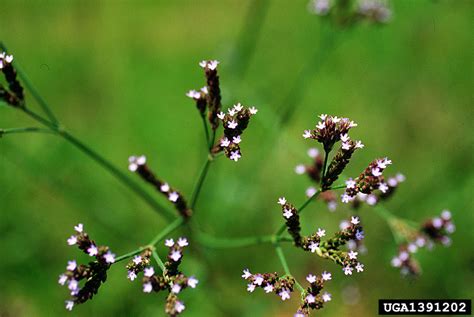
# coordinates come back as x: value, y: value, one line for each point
x: 115, y: 73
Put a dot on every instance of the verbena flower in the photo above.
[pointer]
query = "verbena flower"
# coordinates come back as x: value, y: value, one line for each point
x: 313, y: 298
x: 94, y: 274
x: 138, y: 165
x: 13, y: 95
x: 270, y: 283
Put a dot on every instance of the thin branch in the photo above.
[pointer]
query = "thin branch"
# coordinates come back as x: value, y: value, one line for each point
x: 25, y: 130
x: 281, y: 257
x: 166, y: 231
x: 200, y: 181
x: 158, y: 260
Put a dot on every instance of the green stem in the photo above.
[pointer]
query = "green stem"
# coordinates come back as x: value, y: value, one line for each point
x: 24, y: 130
x: 169, y: 215
x: 200, y: 181
x: 212, y: 242
x: 43, y: 104
x: 213, y: 138
x: 281, y: 257
x: 326, y: 156
x: 167, y: 230
x: 158, y: 260
x: 129, y: 254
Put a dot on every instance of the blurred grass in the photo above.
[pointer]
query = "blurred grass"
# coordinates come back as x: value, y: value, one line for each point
x: 116, y: 73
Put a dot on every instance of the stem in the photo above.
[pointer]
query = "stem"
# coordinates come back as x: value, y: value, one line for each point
x: 167, y: 230
x: 129, y: 254
x: 326, y: 156
x: 24, y: 130
x: 158, y: 260
x: 212, y: 242
x: 28, y: 85
x: 200, y: 181
x: 169, y: 215
x: 213, y: 138
x: 281, y: 257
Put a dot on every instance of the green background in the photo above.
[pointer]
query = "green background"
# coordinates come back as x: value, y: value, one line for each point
x: 115, y: 73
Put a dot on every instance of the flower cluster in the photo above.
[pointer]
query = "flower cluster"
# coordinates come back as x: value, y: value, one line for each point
x: 330, y: 248
x: 94, y: 274
x: 370, y: 180
x: 271, y: 283
x: 235, y: 122
x: 13, y: 95
x: 138, y: 164
x: 312, y: 298
x: 138, y: 264
x: 213, y: 92
x: 171, y: 280
x: 346, y: 13
x: 379, y: 195
x: 434, y: 231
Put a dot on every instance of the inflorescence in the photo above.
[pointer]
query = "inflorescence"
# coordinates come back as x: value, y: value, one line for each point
x: 94, y: 274
x: 13, y: 95
x: 348, y: 13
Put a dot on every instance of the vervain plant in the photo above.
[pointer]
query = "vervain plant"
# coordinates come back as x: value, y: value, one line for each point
x: 343, y: 247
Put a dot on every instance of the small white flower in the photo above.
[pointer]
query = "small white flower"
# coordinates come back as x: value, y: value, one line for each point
x: 193, y: 94
x: 268, y: 288
x: 231, y: 112
x: 282, y: 201
x: 236, y: 139
x: 323, y: 116
x: 250, y: 287
x: 396, y: 262
x: 179, y: 307
x: 299, y: 314
x: 307, y: 134
x: 212, y: 65
x: 235, y: 156
x: 346, y: 198
x: 253, y: 110
x: 69, y: 305
x: 203, y: 64
x: 62, y: 279
x: 287, y: 213
x: 326, y: 276
x: 392, y: 182
x: 284, y: 294
x: 313, y: 152
x: 344, y: 224
x: 403, y: 256
x: 149, y: 271
x: 412, y: 248
x: 332, y: 205
x: 175, y: 256
x: 221, y: 115
x: 258, y: 280
x: 92, y: 250
x: 350, y: 183
x: 437, y: 223
x: 238, y: 107
x: 420, y: 242
x: 310, y: 299
x: 321, y: 233
x: 352, y: 124
x: 183, y: 242
x: 359, y: 145
x: 192, y: 282
x: 169, y: 243
x: 326, y: 297
x: 131, y: 275
x: 246, y: 274
x: 109, y: 257
x: 300, y: 169
x: 400, y: 177
x: 204, y: 90
x: 313, y: 246
x: 165, y: 188
x: 344, y: 138
x: 371, y: 200
x: 147, y: 287
x: 376, y: 172
x: 311, y: 278
x: 71, y: 265
x: 79, y: 228
x: 225, y: 142
x: 336, y: 119
x: 450, y: 227
x: 359, y: 267
x: 446, y: 214
x: 321, y: 125
x: 359, y: 235
x: 9, y: 59
x: 346, y: 146
x: 73, y: 285
x: 347, y: 270
x: 72, y: 240
x: 355, y: 220
x: 232, y: 124
x: 310, y: 191
x: 175, y: 288
x: 352, y: 255
x: 173, y: 197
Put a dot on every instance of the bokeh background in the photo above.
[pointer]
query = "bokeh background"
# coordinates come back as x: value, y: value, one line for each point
x: 115, y: 73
